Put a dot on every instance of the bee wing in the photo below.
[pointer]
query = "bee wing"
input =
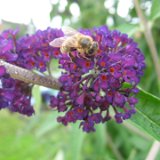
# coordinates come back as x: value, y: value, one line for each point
x: 68, y: 31
x: 57, y: 42
x: 69, y: 41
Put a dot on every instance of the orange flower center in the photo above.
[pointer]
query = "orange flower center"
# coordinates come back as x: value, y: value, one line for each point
x: 74, y: 66
x: 111, y: 69
x: 41, y: 64
x: 104, y: 77
x: 32, y: 63
x: 80, y: 110
x: 46, y: 54
x: 103, y: 64
x: 88, y: 64
x: 56, y: 53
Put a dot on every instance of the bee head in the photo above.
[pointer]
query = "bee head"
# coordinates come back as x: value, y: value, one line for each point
x: 93, y: 48
x: 85, y: 42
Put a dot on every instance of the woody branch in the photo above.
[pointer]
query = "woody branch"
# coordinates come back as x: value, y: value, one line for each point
x: 27, y: 76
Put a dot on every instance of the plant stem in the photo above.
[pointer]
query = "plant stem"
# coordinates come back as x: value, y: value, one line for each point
x: 153, y: 151
x: 135, y: 130
x: 149, y: 38
x: 27, y: 76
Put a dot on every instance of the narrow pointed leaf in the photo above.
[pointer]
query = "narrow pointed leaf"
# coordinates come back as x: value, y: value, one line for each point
x: 148, y: 114
x: 76, y: 140
x: 155, y: 10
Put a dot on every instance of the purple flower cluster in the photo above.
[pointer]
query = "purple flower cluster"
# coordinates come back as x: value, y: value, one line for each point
x: 34, y: 51
x: 14, y: 95
x: 94, y: 89
x: 7, y: 48
x: 98, y: 87
x: 30, y: 52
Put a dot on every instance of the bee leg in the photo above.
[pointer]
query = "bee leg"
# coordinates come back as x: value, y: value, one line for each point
x: 82, y: 55
x: 71, y: 56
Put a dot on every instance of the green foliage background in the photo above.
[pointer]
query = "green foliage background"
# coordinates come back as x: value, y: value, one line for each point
x: 40, y: 137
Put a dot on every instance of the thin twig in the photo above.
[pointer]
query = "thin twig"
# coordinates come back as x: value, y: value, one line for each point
x: 149, y: 38
x: 27, y: 76
x: 153, y: 151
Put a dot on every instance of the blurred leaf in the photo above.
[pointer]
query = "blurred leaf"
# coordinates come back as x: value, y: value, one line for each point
x: 9, y: 122
x: 100, y: 142
x: 76, y: 138
x: 48, y: 124
x: 36, y: 94
x: 155, y: 10
x: 148, y: 114
x: 101, y: 139
x: 54, y: 10
x: 133, y: 12
x: 130, y: 29
x: 93, y: 13
x: 22, y: 28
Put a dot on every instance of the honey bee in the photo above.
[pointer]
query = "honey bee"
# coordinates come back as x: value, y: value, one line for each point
x: 74, y: 40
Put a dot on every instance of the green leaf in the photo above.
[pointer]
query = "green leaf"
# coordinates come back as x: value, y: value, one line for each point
x: 126, y: 85
x: 100, y: 141
x: 130, y: 29
x: 36, y: 94
x: 47, y: 125
x: 76, y: 138
x: 148, y: 113
x: 155, y: 10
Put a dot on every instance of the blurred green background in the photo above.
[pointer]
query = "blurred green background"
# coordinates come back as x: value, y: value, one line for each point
x: 40, y: 137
